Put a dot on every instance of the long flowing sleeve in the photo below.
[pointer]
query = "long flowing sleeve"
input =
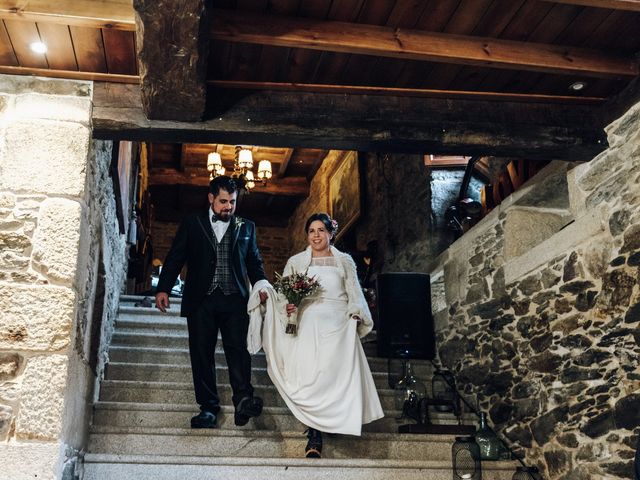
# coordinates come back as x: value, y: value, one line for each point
x: 357, y: 303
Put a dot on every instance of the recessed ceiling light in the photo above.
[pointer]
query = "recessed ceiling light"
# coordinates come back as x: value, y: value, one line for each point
x: 38, y: 47
x: 577, y: 86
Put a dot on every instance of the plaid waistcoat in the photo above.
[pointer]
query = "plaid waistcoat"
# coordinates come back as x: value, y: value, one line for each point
x: 223, y: 275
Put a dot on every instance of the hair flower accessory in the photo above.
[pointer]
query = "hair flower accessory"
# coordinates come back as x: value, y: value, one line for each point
x: 334, y: 225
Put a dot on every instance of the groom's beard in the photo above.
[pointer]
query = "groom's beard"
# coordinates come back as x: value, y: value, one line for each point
x: 224, y: 215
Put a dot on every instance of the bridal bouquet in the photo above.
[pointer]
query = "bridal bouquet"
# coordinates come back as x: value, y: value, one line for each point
x: 295, y: 287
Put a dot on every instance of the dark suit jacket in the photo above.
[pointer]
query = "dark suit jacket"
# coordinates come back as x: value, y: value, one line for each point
x: 193, y: 245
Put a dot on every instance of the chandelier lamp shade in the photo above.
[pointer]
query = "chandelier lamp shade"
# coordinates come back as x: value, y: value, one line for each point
x: 214, y: 165
x: 242, y: 168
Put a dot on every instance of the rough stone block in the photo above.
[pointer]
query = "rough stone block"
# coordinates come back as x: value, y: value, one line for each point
x: 9, y: 365
x: 42, y: 398
x: 30, y: 461
x: 7, y: 200
x: 619, y: 130
x: 6, y: 419
x: 39, y: 106
x: 9, y: 391
x: 35, y: 317
x: 57, y: 239
x: 524, y: 229
x: 14, y: 241
x: 45, y: 156
x: 17, y: 84
x: 13, y: 261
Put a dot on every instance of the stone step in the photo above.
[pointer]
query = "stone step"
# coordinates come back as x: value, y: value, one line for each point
x: 265, y: 444
x: 132, y: 299
x: 161, y: 467
x: 172, y: 338
x: 133, y: 317
x: 273, y: 418
x: 182, y: 373
x: 180, y: 356
x: 182, y: 393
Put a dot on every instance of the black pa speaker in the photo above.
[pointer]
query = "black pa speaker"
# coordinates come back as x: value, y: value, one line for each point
x: 405, y: 323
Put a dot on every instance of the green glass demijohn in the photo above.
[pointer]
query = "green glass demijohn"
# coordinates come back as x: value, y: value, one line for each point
x: 490, y: 445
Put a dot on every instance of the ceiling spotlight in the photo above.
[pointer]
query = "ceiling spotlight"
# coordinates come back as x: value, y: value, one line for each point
x: 577, y: 86
x: 38, y: 47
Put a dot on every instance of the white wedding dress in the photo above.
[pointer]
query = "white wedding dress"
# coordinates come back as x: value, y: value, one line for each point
x: 322, y: 372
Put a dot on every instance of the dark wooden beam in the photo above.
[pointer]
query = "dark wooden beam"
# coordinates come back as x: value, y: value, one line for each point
x: 290, y: 186
x: 173, y: 46
x: 631, y: 5
x: 296, y: 32
x: 364, y: 122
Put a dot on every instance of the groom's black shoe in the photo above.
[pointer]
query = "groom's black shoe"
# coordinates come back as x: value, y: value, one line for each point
x: 247, y: 407
x: 204, y: 419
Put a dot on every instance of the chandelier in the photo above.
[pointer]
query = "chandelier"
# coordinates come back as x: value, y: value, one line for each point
x: 242, y: 168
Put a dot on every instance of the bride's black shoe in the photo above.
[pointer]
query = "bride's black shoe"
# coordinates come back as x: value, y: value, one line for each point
x: 314, y: 445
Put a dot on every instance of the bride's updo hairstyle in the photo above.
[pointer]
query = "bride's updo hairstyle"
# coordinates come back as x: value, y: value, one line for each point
x: 329, y: 223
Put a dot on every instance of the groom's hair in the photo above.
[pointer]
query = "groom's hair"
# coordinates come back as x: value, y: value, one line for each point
x: 223, y: 182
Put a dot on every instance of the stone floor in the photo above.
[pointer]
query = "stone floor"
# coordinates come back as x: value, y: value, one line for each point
x: 140, y: 422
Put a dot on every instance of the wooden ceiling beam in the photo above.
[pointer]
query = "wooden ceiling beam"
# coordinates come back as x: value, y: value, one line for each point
x: 290, y: 186
x: 630, y: 5
x: 172, y: 48
x: 282, y: 169
x: 364, y: 122
x: 403, y: 92
x: 71, y: 74
x: 114, y: 14
x: 295, y: 32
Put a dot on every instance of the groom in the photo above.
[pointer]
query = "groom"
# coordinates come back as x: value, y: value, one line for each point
x: 222, y: 256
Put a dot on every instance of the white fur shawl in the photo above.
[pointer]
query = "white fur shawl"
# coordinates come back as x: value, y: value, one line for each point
x: 357, y: 304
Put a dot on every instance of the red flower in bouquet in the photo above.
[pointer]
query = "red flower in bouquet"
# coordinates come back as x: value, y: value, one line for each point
x: 295, y: 287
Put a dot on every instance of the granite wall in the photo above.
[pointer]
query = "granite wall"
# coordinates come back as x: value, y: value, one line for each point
x: 54, y: 222
x: 537, y: 312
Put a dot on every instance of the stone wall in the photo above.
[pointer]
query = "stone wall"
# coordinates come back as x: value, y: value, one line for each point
x: 274, y: 245
x: 537, y: 312
x: 48, y: 206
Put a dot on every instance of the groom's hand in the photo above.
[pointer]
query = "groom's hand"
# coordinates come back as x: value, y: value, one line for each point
x: 162, y: 301
x: 263, y: 296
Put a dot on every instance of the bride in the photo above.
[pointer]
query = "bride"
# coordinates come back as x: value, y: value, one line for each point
x: 322, y: 372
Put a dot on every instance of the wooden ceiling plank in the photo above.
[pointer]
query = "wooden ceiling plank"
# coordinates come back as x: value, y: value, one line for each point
x: 385, y: 71
x: 629, y: 5
x: 22, y: 35
x: 172, y: 72
x: 463, y: 22
x: 365, y: 122
x: 79, y: 13
x: 418, y: 45
x: 89, y: 48
x: 7, y: 55
x: 282, y: 169
x: 60, y: 53
x: 290, y: 186
x: 119, y: 47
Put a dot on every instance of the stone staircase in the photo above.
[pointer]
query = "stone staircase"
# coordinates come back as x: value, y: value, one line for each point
x: 140, y: 422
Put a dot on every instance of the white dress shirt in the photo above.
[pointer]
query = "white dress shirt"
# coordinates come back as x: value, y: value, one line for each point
x: 219, y: 228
